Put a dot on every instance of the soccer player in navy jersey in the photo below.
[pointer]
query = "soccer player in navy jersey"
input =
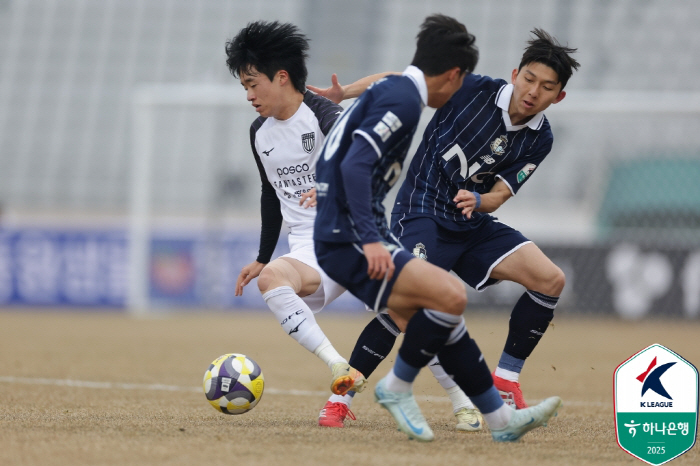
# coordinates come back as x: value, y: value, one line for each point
x: 286, y: 139
x: 361, y: 160
x: 477, y: 151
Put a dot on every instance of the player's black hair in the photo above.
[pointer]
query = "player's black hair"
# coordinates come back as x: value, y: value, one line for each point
x: 547, y: 50
x: 269, y: 47
x: 444, y: 43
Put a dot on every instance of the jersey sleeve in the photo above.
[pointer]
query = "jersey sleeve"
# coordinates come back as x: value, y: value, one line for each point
x: 270, y: 209
x: 389, y: 119
x: 326, y: 111
x: 356, y: 169
x: 516, y: 174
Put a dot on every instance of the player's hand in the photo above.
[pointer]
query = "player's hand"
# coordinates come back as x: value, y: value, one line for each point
x: 466, y: 201
x: 309, y: 196
x: 335, y: 93
x: 379, y: 261
x: 248, y: 273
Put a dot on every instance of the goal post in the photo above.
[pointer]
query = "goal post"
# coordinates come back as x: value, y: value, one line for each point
x: 152, y: 105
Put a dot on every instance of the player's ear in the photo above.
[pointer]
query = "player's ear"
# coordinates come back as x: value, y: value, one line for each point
x: 560, y: 97
x: 514, y: 75
x: 456, y: 74
x: 283, y: 77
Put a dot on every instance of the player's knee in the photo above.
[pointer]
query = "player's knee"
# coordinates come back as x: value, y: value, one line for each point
x: 266, y: 280
x: 554, y: 283
x: 455, y: 298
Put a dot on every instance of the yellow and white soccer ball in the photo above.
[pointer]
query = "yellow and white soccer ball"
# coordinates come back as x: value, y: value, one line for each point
x: 233, y: 383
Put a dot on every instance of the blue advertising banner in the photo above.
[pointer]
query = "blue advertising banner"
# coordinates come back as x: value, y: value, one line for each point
x: 89, y: 268
x: 77, y: 268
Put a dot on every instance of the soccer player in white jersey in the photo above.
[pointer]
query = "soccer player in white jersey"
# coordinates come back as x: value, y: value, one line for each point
x: 477, y: 152
x: 270, y: 60
x: 361, y: 160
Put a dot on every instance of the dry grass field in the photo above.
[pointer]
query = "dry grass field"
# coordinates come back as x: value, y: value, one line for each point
x: 79, y: 388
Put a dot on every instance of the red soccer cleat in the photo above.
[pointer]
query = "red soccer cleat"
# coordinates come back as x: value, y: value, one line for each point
x: 510, y: 392
x: 333, y: 414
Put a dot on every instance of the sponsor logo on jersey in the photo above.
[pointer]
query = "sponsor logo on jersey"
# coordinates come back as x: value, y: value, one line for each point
x: 498, y: 145
x: 382, y: 130
x: 488, y: 160
x: 308, y: 142
x: 392, y: 121
x: 267, y: 152
x: 525, y: 172
x: 292, y: 169
x: 388, y: 125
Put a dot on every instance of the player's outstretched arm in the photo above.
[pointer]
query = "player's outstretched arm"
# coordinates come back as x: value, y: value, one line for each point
x: 248, y: 273
x: 338, y: 93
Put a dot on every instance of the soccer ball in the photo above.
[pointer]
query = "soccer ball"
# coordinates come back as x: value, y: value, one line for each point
x: 233, y: 383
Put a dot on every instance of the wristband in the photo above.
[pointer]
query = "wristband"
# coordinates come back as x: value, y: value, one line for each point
x: 478, y: 199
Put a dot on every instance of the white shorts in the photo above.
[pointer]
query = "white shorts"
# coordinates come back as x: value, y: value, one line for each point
x: 302, y: 249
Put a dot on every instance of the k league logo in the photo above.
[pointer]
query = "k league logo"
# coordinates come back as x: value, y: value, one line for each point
x: 656, y: 405
x: 652, y: 381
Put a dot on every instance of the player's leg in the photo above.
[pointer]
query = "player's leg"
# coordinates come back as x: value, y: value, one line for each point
x: 469, y: 419
x: 429, y: 241
x: 530, y: 318
x: 283, y: 282
x: 372, y: 346
x: 460, y: 357
x: 432, y: 301
x: 412, y: 287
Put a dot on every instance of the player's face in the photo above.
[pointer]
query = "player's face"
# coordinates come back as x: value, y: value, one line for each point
x: 262, y: 93
x: 536, y: 87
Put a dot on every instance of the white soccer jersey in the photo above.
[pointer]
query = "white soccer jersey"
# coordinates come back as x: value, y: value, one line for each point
x: 286, y: 152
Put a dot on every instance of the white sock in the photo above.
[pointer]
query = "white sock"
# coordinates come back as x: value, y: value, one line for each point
x: 294, y: 315
x: 507, y: 375
x: 345, y: 399
x: 500, y: 418
x: 459, y: 399
x: 395, y: 384
x: 327, y: 353
x: 457, y: 396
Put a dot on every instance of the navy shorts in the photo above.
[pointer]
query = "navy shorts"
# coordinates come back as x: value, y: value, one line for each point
x: 346, y: 264
x: 472, y: 254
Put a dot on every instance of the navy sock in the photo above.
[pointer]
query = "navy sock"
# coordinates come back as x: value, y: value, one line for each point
x: 529, y: 320
x: 426, y: 334
x: 373, y: 345
x: 464, y: 362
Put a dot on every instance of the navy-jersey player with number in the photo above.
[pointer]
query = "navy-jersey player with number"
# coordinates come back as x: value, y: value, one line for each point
x: 361, y: 159
x: 478, y: 151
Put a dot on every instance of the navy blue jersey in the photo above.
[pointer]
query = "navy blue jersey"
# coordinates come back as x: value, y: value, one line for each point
x: 470, y: 144
x: 364, y: 152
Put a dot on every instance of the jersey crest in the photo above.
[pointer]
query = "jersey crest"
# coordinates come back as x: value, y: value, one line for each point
x: 308, y: 142
x: 499, y: 145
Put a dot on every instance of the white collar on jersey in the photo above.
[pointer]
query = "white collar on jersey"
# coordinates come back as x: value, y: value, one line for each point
x: 503, y: 101
x: 418, y: 79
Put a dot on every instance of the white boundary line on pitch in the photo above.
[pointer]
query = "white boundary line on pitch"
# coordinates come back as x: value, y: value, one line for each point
x: 176, y: 388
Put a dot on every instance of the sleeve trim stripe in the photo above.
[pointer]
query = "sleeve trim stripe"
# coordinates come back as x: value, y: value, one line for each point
x: 507, y: 184
x: 370, y: 140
